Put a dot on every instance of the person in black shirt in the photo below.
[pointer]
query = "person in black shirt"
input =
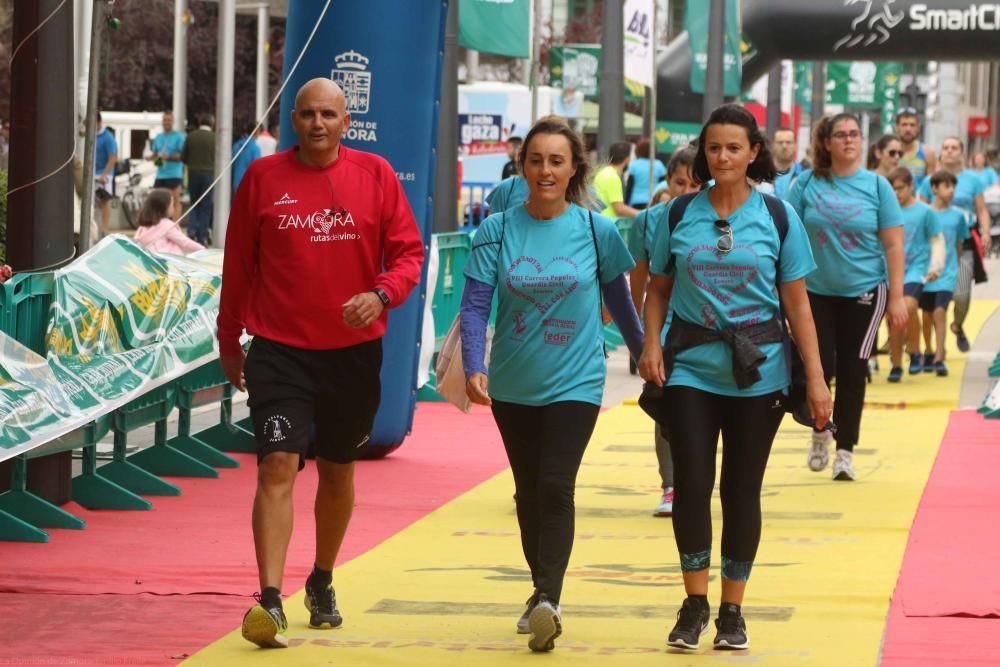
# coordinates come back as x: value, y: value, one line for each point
x: 513, y: 148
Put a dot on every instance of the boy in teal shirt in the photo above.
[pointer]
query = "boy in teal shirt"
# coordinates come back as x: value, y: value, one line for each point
x: 937, y: 293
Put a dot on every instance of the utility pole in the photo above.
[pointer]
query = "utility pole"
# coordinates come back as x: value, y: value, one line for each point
x: 536, y: 56
x: 611, y: 123
x: 180, y: 64
x: 90, y: 137
x: 818, y: 92
x: 224, y: 120
x: 774, y: 99
x: 446, y: 165
x: 716, y: 66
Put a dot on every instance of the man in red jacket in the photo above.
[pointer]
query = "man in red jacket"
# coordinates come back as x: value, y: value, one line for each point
x: 310, y: 231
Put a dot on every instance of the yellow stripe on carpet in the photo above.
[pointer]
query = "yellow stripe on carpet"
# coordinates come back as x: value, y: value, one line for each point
x: 449, y: 589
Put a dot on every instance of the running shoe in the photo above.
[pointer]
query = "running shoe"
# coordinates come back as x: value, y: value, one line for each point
x: 666, y: 506
x: 819, y: 450
x: 522, y: 623
x: 322, y: 606
x: 960, y: 339
x: 692, y: 623
x: 941, y: 369
x: 544, y: 624
x: 928, y: 363
x: 916, y: 363
x: 265, y: 627
x: 843, y: 467
x: 896, y: 374
x: 731, y: 629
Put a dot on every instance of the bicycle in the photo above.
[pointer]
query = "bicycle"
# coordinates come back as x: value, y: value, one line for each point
x: 131, y: 200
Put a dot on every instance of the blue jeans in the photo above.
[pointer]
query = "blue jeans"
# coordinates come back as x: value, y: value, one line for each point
x: 201, y: 216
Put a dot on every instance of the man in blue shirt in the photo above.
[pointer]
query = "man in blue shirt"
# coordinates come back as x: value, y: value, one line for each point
x: 106, y: 155
x: 167, y: 147
x: 243, y: 156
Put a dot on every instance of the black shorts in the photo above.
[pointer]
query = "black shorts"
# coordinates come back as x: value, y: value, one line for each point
x: 291, y: 390
x: 168, y: 183
x: 931, y: 300
x: 913, y: 290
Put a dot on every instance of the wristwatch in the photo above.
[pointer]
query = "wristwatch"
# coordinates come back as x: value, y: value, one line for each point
x: 382, y: 296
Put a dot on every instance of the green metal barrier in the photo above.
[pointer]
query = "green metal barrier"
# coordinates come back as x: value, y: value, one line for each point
x: 24, y: 309
x: 454, y: 250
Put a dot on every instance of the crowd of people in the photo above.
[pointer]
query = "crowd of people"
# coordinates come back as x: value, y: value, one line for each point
x: 826, y: 247
x: 179, y: 158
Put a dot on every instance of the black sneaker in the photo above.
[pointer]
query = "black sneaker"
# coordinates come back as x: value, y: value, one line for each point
x: 731, y: 629
x: 692, y: 623
x: 265, y: 627
x: 322, y: 606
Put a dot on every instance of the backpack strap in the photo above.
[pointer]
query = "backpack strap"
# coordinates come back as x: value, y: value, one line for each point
x: 677, y: 209
x: 779, y: 216
x: 600, y: 294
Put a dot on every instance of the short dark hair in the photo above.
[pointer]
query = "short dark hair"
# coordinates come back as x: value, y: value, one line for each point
x: 907, y: 112
x: 822, y: 160
x: 619, y: 151
x: 515, y: 141
x: 642, y: 148
x: 900, y: 174
x: 681, y: 158
x: 154, y: 207
x: 942, y: 176
x: 575, y: 189
x: 761, y: 170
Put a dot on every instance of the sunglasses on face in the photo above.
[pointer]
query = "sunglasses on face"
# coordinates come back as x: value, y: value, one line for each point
x: 725, y: 242
x: 895, y: 153
x: 841, y: 136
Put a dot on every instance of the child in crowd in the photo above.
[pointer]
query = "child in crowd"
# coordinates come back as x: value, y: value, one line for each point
x: 157, y: 231
x: 924, y: 260
x: 937, y: 293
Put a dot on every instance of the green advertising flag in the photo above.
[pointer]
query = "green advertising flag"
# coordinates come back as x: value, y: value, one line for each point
x: 671, y: 136
x: 503, y: 28
x: 579, y: 66
x: 696, y: 23
x: 854, y: 84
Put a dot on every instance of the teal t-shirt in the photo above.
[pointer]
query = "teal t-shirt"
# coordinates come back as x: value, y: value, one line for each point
x: 988, y: 176
x: 640, y: 241
x: 548, y: 344
x: 843, y: 216
x: 955, y: 227
x: 638, y: 169
x: 731, y: 290
x: 510, y: 192
x: 920, y: 225
x: 969, y: 186
x: 169, y: 143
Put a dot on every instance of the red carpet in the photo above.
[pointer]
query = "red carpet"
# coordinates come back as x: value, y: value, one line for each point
x: 108, y: 590
x: 947, y: 599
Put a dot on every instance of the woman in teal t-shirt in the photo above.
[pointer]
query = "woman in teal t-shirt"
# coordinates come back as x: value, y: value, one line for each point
x: 720, y: 271
x: 855, y: 227
x: 550, y: 261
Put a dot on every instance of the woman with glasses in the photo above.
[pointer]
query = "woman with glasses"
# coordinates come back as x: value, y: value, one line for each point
x: 550, y: 260
x: 884, y: 155
x: 720, y: 267
x: 855, y: 227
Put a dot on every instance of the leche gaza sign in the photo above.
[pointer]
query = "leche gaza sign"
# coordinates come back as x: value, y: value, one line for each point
x: 874, y: 29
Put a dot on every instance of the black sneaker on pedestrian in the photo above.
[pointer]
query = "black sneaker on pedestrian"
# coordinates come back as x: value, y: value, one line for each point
x: 731, y: 629
x: 692, y: 623
x: 265, y: 627
x: 322, y: 606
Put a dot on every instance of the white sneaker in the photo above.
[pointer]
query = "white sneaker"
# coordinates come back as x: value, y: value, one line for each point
x: 843, y: 467
x: 529, y: 605
x: 545, y: 624
x: 819, y: 450
x: 666, y: 504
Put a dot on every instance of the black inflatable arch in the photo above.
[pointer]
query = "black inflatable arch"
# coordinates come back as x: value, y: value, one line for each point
x: 904, y: 30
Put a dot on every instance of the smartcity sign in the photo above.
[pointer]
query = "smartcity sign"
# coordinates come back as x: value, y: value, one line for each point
x: 985, y: 16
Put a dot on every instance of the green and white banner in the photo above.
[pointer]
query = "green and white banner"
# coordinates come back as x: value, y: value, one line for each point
x: 696, y: 15
x: 122, y: 322
x: 858, y: 84
x: 578, y: 66
x: 672, y: 136
x: 502, y: 27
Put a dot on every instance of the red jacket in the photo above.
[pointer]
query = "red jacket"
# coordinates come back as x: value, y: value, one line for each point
x: 303, y: 240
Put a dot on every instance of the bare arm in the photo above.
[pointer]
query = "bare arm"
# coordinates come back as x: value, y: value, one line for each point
x: 657, y: 302
x: 983, y: 216
x: 623, y: 210
x: 931, y: 158
x: 938, y: 251
x: 800, y: 319
x: 893, y: 241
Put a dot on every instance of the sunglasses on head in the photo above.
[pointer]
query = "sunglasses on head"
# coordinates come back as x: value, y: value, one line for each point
x: 725, y: 242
